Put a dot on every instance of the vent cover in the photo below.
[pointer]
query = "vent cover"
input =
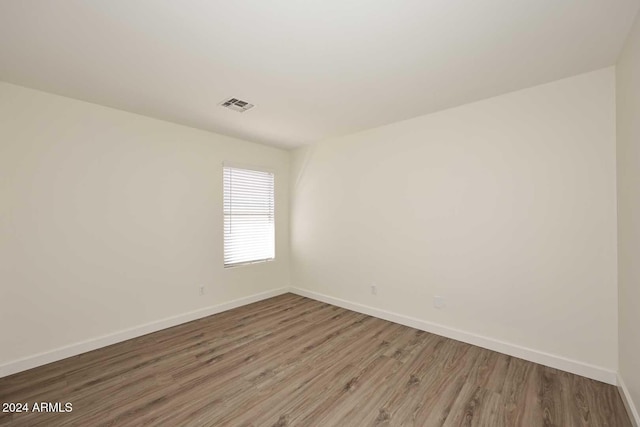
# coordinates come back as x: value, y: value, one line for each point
x: 236, y: 104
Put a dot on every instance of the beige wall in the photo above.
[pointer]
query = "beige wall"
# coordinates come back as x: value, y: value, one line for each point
x: 628, y: 145
x: 506, y: 207
x: 109, y: 220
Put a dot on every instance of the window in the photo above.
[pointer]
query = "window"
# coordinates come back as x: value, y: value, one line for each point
x: 249, y: 227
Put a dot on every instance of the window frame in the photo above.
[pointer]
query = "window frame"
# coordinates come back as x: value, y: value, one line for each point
x: 251, y: 168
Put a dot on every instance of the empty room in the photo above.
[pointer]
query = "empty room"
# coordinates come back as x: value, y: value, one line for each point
x: 320, y: 213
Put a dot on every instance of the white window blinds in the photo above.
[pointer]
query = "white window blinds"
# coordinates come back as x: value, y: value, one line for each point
x: 249, y: 227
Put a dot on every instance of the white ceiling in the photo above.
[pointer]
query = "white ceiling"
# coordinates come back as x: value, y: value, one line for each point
x: 314, y: 68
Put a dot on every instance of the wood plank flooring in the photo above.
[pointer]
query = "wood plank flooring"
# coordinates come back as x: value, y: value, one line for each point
x: 292, y: 361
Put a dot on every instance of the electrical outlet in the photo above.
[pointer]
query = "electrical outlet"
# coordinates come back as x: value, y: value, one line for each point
x: 439, y: 302
x: 201, y: 290
x: 374, y: 289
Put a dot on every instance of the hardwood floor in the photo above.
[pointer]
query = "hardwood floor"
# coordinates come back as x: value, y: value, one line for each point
x: 292, y: 361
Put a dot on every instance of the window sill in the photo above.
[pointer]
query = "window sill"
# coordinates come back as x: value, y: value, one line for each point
x: 240, y: 264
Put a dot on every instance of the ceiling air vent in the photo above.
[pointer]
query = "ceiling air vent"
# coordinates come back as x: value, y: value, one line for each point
x: 236, y: 104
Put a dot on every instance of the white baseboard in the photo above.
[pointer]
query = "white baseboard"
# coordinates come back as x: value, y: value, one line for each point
x: 554, y: 361
x: 628, y: 402
x: 547, y: 359
x: 60, y: 353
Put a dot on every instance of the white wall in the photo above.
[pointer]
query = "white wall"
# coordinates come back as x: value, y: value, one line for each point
x: 109, y: 220
x: 628, y: 145
x: 506, y: 207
